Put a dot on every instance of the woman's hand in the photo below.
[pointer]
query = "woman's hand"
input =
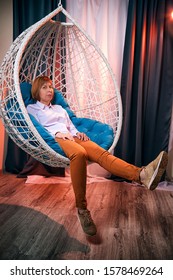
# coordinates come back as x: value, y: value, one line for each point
x: 82, y: 136
x: 65, y: 136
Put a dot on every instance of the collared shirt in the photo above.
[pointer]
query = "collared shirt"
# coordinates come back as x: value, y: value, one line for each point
x: 53, y: 117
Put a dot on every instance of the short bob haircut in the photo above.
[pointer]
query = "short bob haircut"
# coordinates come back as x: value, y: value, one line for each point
x: 37, y: 84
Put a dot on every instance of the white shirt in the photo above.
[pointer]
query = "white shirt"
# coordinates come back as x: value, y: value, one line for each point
x: 53, y: 117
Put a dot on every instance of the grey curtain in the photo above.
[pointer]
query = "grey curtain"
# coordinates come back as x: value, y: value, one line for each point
x: 147, y: 81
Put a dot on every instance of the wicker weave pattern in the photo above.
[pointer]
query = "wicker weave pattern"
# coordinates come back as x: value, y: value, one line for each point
x: 65, y: 53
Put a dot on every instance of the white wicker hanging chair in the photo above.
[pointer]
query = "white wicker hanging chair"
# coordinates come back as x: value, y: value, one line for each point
x: 78, y: 68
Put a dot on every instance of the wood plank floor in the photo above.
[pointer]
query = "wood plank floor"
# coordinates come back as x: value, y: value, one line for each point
x: 39, y: 222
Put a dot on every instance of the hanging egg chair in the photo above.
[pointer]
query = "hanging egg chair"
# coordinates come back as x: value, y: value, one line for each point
x: 82, y: 78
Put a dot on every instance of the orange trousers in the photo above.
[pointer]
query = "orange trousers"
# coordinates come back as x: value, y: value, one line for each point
x: 79, y: 152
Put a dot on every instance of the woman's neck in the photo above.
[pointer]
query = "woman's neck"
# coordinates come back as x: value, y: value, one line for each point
x: 45, y: 103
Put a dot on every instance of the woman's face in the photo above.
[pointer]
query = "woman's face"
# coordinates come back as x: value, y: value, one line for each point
x: 46, y: 93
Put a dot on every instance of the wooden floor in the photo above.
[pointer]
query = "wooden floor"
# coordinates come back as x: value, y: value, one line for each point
x: 39, y: 222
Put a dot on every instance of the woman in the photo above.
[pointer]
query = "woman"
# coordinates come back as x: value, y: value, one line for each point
x: 78, y: 148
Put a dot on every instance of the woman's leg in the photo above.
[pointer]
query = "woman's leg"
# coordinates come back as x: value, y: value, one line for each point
x: 78, y: 157
x: 109, y: 162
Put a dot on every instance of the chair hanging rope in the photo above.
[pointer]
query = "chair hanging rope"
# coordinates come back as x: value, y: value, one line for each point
x: 59, y: 4
x: 64, y: 52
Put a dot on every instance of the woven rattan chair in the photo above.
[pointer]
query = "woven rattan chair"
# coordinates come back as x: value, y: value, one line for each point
x: 79, y: 70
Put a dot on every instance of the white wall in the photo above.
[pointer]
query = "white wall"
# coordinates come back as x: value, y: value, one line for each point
x: 6, y: 38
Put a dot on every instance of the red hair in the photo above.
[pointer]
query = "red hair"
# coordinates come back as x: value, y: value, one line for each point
x: 37, y: 84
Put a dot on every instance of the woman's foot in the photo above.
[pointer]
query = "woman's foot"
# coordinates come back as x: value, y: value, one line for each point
x: 87, y: 222
x: 151, y: 174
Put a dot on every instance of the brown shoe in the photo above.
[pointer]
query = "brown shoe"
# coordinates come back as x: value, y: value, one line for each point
x: 151, y: 174
x: 86, y: 221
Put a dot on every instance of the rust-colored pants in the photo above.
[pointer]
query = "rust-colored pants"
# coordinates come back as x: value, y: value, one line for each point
x: 79, y: 152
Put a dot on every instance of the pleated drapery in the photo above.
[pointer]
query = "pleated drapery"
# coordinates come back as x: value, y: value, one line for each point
x: 147, y: 81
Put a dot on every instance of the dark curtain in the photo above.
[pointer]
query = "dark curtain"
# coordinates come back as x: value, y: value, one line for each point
x: 26, y: 13
x: 147, y: 81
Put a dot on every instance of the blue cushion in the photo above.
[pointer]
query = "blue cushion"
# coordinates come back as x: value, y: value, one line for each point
x: 26, y: 93
x: 100, y: 133
x: 60, y: 100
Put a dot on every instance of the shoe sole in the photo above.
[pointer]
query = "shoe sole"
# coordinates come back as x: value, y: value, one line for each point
x: 161, y: 167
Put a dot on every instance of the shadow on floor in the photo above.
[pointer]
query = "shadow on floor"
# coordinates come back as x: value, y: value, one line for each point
x: 26, y: 234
